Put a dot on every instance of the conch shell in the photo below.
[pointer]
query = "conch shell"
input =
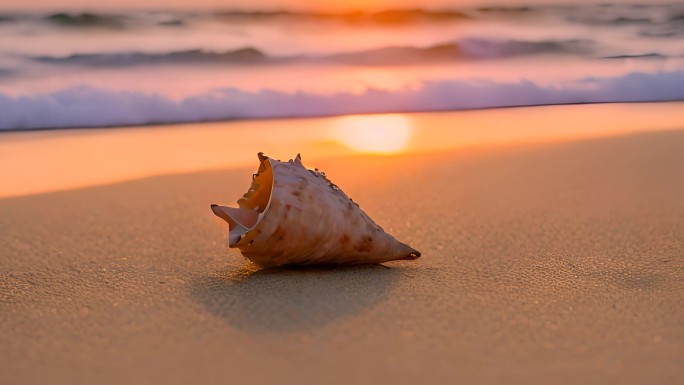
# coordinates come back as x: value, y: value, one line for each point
x: 295, y: 216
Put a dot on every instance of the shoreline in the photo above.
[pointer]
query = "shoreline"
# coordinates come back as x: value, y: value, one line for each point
x: 305, y: 117
x: 54, y: 160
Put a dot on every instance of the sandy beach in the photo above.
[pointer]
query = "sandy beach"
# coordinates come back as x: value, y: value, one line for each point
x: 541, y: 263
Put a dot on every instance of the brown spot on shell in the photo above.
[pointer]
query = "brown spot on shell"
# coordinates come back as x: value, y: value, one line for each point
x: 365, y: 245
x: 278, y: 234
x: 344, y: 239
x: 298, y: 194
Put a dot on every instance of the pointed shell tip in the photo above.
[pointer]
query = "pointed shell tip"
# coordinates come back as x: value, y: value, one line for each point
x: 215, y: 209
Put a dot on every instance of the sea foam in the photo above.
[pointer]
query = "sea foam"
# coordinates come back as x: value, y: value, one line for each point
x: 95, y: 107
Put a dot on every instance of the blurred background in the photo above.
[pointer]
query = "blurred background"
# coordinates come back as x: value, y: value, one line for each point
x: 76, y: 63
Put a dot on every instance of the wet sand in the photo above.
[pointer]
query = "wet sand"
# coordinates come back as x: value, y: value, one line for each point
x: 545, y: 263
x: 54, y: 160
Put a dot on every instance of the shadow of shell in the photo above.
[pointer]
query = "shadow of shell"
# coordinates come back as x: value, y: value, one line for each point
x: 293, y: 299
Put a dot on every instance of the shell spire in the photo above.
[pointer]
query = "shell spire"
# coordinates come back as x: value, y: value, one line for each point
x: 294, y: 216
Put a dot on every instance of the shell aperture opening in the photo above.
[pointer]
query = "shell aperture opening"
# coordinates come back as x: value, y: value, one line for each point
x: 251, y: 206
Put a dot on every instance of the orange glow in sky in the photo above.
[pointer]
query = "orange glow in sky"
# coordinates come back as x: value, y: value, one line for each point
x: 325, y: 5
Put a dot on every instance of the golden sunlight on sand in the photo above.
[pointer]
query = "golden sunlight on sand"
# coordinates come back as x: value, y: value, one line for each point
x: 68, y: 159
x: 376, y: 134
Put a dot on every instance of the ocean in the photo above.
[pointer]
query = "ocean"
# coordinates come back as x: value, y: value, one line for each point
x: 86, y: 69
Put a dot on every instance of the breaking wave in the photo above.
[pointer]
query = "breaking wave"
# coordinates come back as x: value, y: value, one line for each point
x: 464, y: 49
x: 657, y: 15
x: 391, y: 16
x: 93, y: 107
x: 607, y: 14
x: 122, y: 59
x: 86, y: 20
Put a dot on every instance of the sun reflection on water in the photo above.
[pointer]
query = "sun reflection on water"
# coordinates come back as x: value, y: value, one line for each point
x: 378, y: 134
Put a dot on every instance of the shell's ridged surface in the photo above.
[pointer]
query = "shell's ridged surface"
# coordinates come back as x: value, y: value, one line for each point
x: 311, y: 221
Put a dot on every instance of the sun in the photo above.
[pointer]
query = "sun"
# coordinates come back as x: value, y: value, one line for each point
x: 378, y: 134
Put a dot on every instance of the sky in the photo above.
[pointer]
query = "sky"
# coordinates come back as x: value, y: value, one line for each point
x: 326, y: 5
